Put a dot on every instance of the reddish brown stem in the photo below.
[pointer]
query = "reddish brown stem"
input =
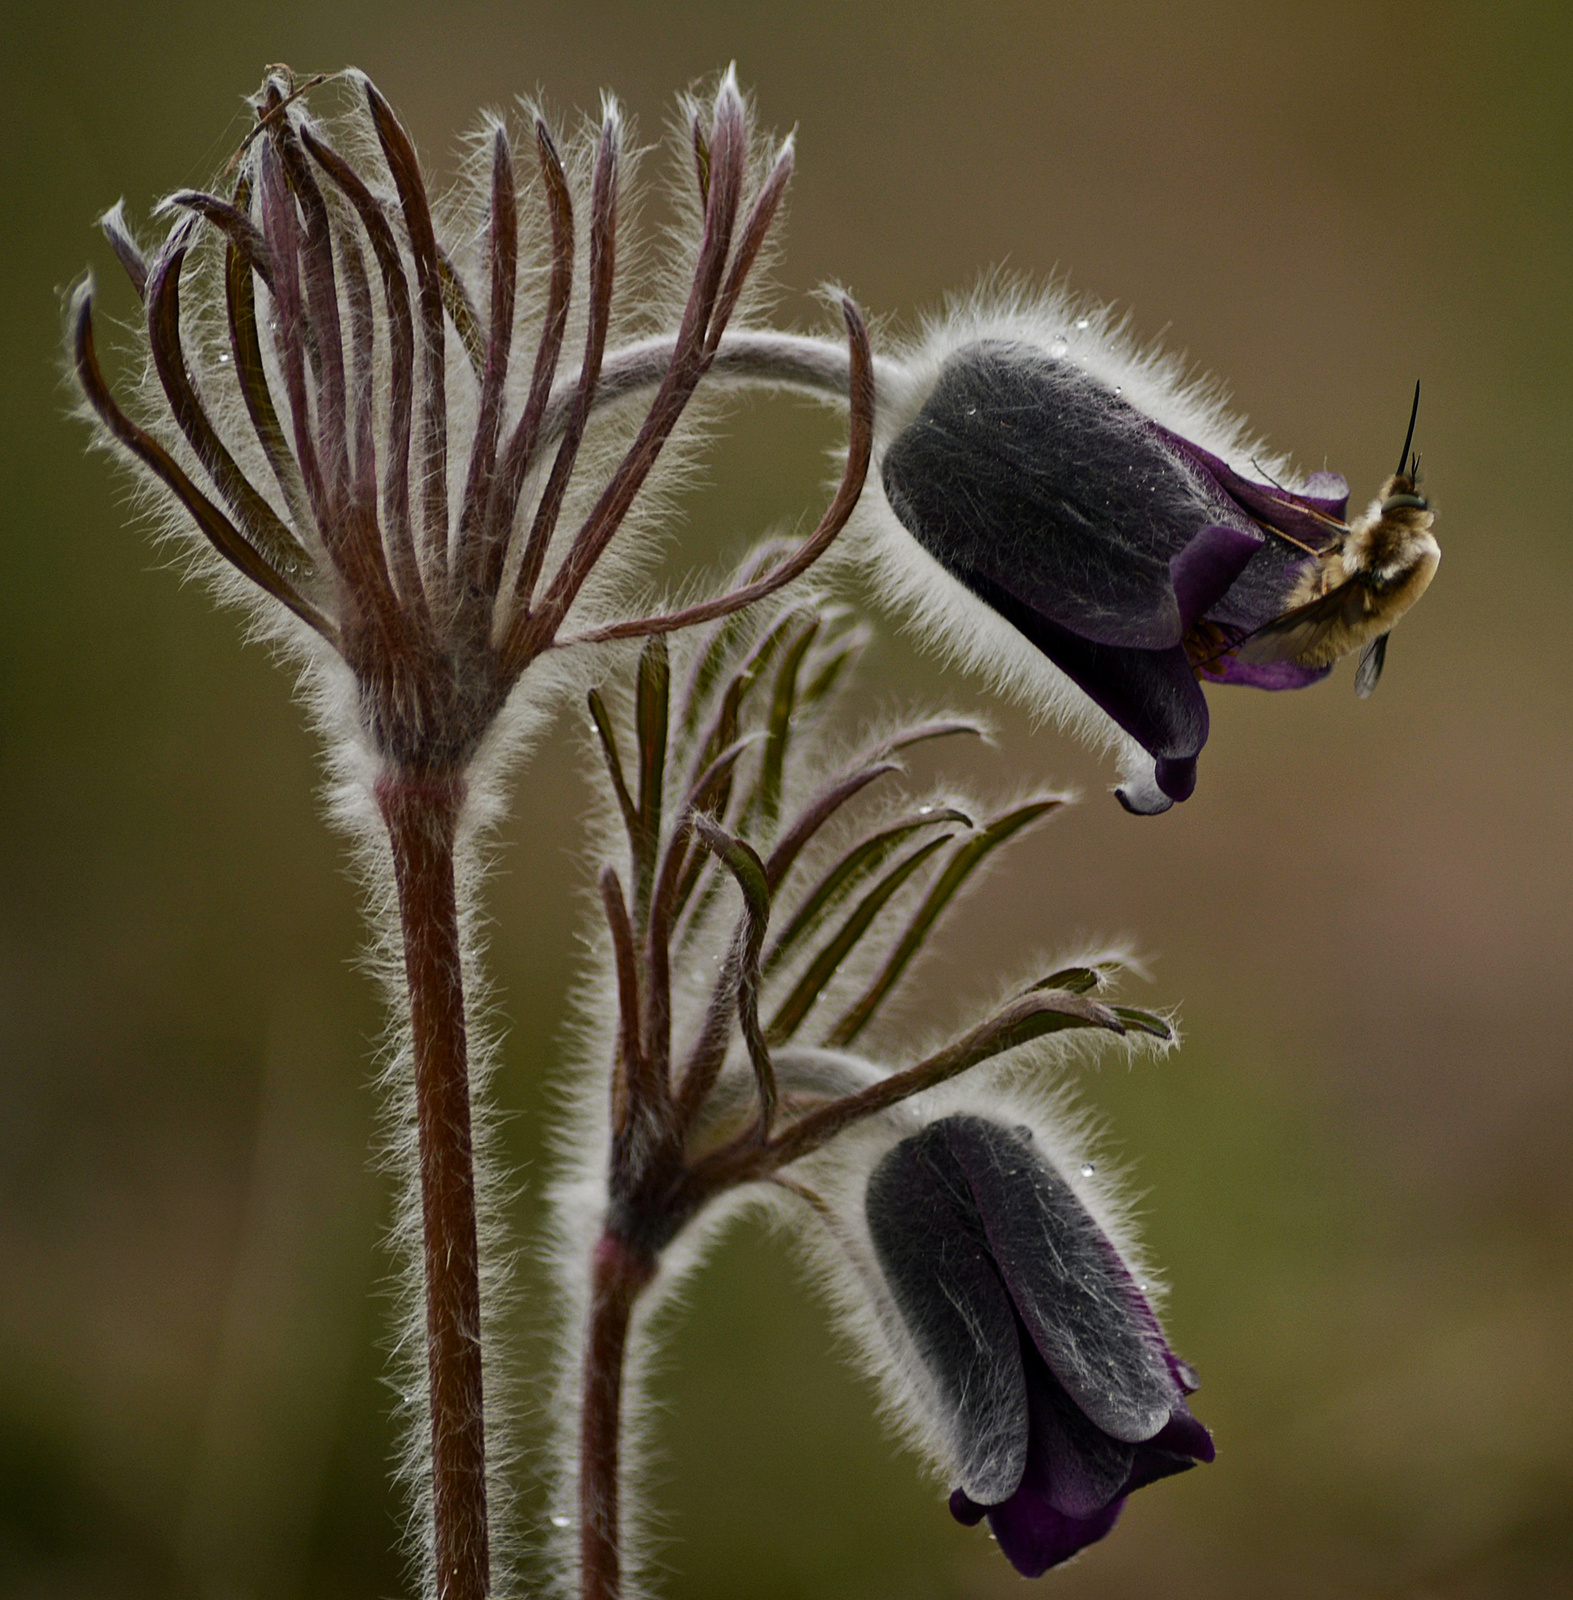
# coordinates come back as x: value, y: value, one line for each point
x: 421, y: 813
x: 618, y: 1274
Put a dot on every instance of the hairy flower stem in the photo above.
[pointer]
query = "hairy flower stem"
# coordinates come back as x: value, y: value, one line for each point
x: 421, y: 812
x: 619, y: 1274
x: 749, y: 358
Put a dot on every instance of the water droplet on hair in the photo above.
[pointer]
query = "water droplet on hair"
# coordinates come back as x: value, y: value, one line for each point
x: 1088, y: 1168
x: 972, y: 411
x: 1058, y: 348
x: 1118, y: 389
x: 223, y: 361
x: 1084, y: 322
x: 560, y: 1521
x: 925, y: 811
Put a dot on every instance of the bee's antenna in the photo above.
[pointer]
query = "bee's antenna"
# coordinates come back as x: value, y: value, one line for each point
x: 1266, y: 474
x: 1409, y: 438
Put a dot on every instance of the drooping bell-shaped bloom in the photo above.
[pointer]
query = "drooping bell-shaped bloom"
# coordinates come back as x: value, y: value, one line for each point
x: 1059, y: 1394
x: 1133, y: 558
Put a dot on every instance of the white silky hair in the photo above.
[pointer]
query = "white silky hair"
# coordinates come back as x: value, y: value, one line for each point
x: 1026, y: 1086
x: 652, y: 282
x: 932, y: 605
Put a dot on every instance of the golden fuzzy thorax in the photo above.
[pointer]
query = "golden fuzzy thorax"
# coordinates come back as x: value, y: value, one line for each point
x: 1380, y: 567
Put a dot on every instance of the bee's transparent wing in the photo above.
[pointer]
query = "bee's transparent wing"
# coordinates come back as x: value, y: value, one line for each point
x: 1293, y: 635
x: 1372, y: 659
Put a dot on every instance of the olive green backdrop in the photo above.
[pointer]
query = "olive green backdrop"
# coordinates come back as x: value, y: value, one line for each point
x: 1358, y: 1169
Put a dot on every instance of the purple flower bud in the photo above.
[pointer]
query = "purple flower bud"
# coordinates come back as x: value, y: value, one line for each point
x: 1135, y: 560
x: 1060, y: 1393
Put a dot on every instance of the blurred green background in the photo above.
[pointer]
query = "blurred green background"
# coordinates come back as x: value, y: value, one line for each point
x: 1358, y: 1170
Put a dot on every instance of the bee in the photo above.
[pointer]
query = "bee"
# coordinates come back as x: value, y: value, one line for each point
x: 1360, y: 585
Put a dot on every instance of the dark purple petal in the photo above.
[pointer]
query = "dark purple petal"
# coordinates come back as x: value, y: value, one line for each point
x: 1177, y: 778
x: 1152, y: 694
x: 1328, y: 492
x: 930, y: 1248
x: 1204, y: 570
x: 1308, y: 516
x: 1027, y: 471
x: 1077, y: 1480
x: 1183, y: 1435
x: 1072, y: 1465
x: 1034, y: 1536
x: 1266, y: 674
x: 1083, y: 1318
x: 967, y: 1212
x: 1184, y: 1373
x: 965, y: 1509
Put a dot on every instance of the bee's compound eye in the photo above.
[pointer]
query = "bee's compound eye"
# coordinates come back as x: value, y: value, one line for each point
x: 1401, y: 502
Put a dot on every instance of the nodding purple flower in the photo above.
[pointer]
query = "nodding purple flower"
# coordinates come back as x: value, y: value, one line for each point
x: 1134, y: 559
x: 1057, y: 1389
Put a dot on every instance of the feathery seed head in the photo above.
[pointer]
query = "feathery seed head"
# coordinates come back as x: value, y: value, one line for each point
x: 362, y: 414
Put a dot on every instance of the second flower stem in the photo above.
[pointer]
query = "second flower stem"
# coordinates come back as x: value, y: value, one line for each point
x: 421, y: 813
x: 618, y: 1274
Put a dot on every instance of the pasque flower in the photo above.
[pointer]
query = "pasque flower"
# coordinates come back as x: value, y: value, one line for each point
x: 333, y: 416
x: 769, y: 897
x: 337, y: 409
x: 1058, y: 1392
x: 1081, y: 498
x: 1075, y: 518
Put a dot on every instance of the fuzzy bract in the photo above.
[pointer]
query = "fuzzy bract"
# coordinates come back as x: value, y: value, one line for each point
x: 1058, y: 1391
